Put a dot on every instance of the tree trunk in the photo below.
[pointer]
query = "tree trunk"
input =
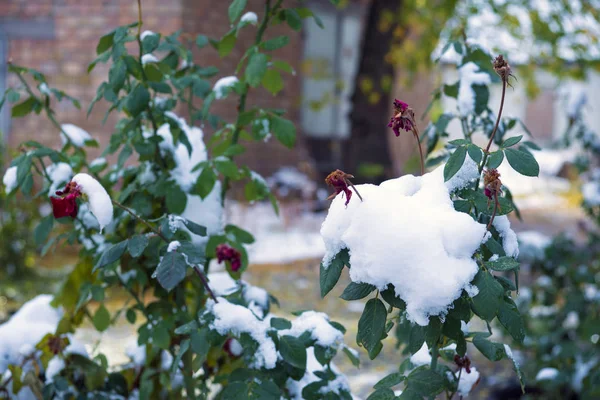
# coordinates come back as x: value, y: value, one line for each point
x: 367, y: 143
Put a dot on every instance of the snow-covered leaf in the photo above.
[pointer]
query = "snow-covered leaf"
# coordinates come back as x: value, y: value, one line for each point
x: 454, y: 163
x: 503, y: 264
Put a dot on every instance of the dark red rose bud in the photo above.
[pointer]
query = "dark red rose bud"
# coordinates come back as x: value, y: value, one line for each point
x: 228, y: 253
x: 403, y: 118
x: 340, y: 182
x: 65, y: 205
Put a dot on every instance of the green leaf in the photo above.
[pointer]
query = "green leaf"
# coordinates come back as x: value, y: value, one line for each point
x: 487, y: 301
x: 24, y: 107
x: 382, y: 394
x: 482, y: 96
x: 200, y: 343
x: 352, y: 356
x: 522, y: 162
x: 511, y: 319
x: 176, y: 200
x: 511, y: 141
x: 389, y: 381
x: 112, y: 254
x: 43, y: 230
x: 425, y: 381
x: 195, y: 228
x: 293, y: 351
x: 293, y: 19
x: 101, y: 319
x: 205, y: 183
x: 503, y: 264
x: 284, y: 131
x: 451, y: 90
x: 150, y: 43
x: 475, y: 153
x: 183, y: 348
x: 239, y: 234
x: 105, y: 42
x: 495, y: 159
x: 416, y: 337
x: 131, y: 316
x: 330, y: 275
x: 153, y: 73
x: 389, y: 295
x: 187, y: 328
x: 201, y: 41
x: 280, y: 323
x: 492, y: 351
x: 275, y: 43
x: 356, y: 291
x: 272, y: 81
x: 454, y: 163
x: 137, y: 101
x: 171, y: 270
x: 227, y: 43
x: 256, y: 69
x: 226, y: 167
x: 137, y: 245
x: 235, y: 9
x: 371, y: 326
x: 161, y: 337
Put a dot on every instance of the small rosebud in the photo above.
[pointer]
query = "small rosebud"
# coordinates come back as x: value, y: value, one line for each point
x: 226, y: 253
x: 492, y: 186
x: 56, y: 344
x: 502, y: 68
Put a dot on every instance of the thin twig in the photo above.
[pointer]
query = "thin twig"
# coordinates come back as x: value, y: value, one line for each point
x: 420, y: 150
x: 487, y: 149
x: 202, y: 277
x: 143, y: 221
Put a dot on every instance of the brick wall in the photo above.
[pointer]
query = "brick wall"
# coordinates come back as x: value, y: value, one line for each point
x: 66, y: 52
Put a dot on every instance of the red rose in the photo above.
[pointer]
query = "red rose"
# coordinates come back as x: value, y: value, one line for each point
x: 65, y: 205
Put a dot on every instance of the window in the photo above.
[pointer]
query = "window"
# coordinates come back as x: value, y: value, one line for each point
x: 329, y: 67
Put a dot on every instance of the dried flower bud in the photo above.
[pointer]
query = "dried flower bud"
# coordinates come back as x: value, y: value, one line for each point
x: 502, y: 68
x: 403, y: 118
x: 463, y: 362
x: 492, y: 186
x: 339, y: 181
x: 56, y: 344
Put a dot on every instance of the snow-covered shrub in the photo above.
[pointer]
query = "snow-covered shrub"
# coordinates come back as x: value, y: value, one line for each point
x: 437, y: 250
x: 150, y: 222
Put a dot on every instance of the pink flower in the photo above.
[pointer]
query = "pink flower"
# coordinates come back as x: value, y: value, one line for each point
x: 403, y: 117
x: 65, y: 205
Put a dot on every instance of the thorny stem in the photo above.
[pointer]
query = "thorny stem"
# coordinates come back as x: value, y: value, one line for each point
x: 494, y: 213
x: 242, y: 103
x: 420, y: 150
x: 487, y: 149
x: 458, y: 380
x: 354, y: 188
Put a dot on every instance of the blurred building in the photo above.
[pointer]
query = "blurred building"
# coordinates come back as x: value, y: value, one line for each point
x: 59, y: 38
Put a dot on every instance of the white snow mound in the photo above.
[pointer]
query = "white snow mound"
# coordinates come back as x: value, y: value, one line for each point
x: 407, y: 233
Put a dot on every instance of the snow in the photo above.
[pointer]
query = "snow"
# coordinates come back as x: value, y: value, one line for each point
x: 546, y: 374
x: 97, y: 162
x: 149, y: 58
x: 146, y: 33
x: 44, y: 89
x: 10, y: 179
x: 421, y: 357
x: 257, y: 295
x: 339, y: 384
x: 429, y: 263
x: 221, y: 283
x: 317, y: 323
x: 543, y: 311
x: 273, y: 233
x: 250, y: 17
x: 60, y: 174
x: 235, y: 348
x: 469, y: 75
x: 207, y: 212
x: 571, y: 321
x: 288, y: 178
x: 223, y: 85
x: 467, y: 381
x: 467, y: 173
x: 27, y: 327
x: 173, y: 246
x: 74, y: 134
x: 99, y: 200
x: 532, y: 244
x: 582, y: 370
x: 55, y: 366
x: 235, y: 319
x: 591, y: 193
x: 510, y: 244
